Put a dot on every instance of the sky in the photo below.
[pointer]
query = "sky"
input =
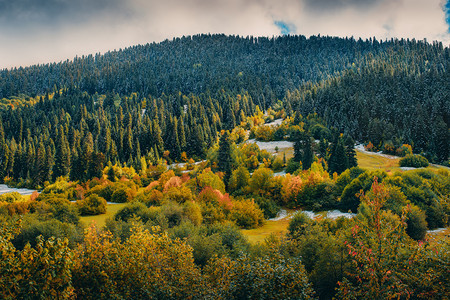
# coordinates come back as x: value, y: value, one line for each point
x: 42, y: 31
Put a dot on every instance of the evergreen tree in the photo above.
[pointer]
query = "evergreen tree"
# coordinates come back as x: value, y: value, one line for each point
x: 4, y: 153
x: 224, y: 158
x: 338, y: 161
x: 440, y: 139
x: 323, y: 148
x: 40, y: 171
x: 303, y: 151
x: 350, y: 152
x: 62, y: 156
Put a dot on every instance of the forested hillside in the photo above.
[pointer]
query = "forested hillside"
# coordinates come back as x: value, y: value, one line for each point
x: 176, y: 95
x: 263, y: 66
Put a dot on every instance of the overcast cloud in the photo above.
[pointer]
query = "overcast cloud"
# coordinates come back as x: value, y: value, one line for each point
x: 41, y: 31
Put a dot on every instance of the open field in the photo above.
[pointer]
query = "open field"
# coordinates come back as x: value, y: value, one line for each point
x: 258, y: 235
x: 100, y: 220
x: 377, y: 162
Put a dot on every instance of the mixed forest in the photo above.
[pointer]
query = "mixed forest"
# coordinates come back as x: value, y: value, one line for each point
x: 167, y: 129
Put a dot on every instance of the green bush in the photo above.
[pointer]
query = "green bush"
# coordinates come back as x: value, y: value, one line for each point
x: 132, y: 210
x: 174, y: 213
x: 135, y: 214
x: 205, y: 247
x: 297, y: 224
x: 101, y: 190
x: 416, y: 224
x: 234, y: 242
x: 277, y: 164
x: 293, y: 166
x: 268, y: 206
x: 119, y: 196
x: 349, y: 198
x: 246, y: 214
x: 66, y: 213
x: 414, y: 161
x: 33, y: 227
x: 41, y: 272
x: 269, y: 277
x: 92, y: 205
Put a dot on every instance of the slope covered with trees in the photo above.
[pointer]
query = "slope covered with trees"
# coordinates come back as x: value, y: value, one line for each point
x: 156, y: 101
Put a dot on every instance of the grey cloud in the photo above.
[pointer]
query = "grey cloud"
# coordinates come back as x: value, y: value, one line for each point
x: 48, y: 12
x: 38, y: 31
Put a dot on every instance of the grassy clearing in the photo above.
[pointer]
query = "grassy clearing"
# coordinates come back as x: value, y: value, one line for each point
x: 100, y: 220
x: 258, y: 235
x: 377, y: 162
x: 288, y: 151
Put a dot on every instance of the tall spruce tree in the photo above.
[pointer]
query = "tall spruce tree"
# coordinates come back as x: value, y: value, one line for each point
x: 303, y: 151
x: 350, y: 152
x: 338, y: 161
x: 224, y: 158
x: 62, y: 156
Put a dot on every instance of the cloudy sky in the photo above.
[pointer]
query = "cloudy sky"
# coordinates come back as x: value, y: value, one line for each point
x: 41, y: 31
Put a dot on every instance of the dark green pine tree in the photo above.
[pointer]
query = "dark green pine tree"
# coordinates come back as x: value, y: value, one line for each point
x: 303, y: 151
x: 224, y: 158
x: 297, y: 138
x: 95, y: 165
x: 323, y: 148
x: 50, y: 160
x: 375, y: 132
x: 338, y: 161
x: 109, y: 101
x: 128, y: 142
x: 440, y: 140
x: 157, y: 140
x: 62, y: 156
x: 30, y: 157
x: 182, y: 134
x: 308, y: 153
x: 4, y: 153
x: 17, y: 168
x: 40, y: 170
x: 196, y: 143
x: 77, y: 168
x: 111, y: 173
x: 229, y: 120
x: 172, y: 141
x: 350, y: 151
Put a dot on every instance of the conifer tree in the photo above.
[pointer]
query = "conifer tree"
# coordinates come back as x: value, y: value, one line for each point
x: 338, y: 161
x: 350, y: 152
x: 40, y: 168
x: 224, y: 157
x: 62, y: 156
x: 303, y: 151
x: 4, y: 153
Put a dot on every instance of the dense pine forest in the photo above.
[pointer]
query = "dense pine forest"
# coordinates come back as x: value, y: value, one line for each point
x: 166, y: 130
x: 178, y: 94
